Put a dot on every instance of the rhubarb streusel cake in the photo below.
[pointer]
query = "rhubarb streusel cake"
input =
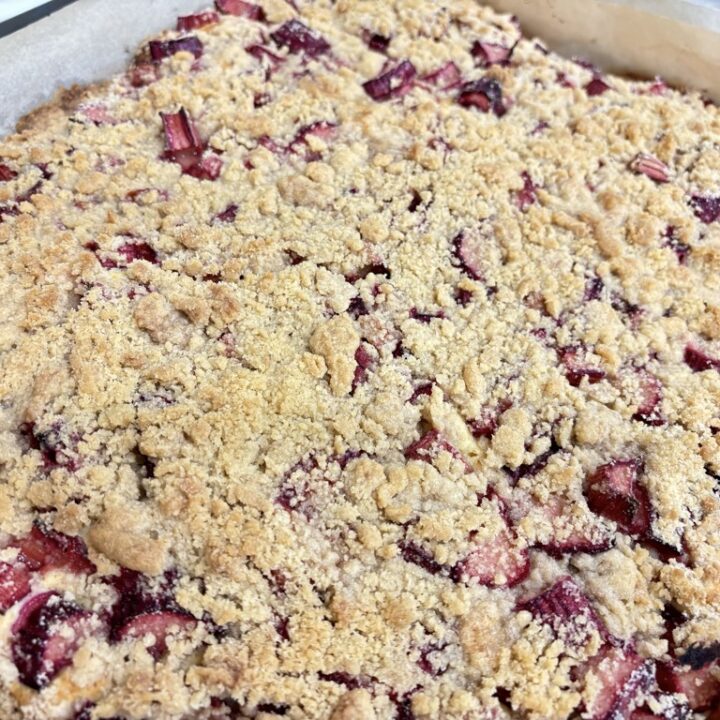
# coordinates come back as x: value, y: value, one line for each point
x: 360, y: 361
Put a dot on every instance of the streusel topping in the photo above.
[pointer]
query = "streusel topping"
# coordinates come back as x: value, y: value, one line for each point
x: 360, y: 361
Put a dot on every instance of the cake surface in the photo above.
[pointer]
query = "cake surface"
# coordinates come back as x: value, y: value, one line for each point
x: 360, y: 361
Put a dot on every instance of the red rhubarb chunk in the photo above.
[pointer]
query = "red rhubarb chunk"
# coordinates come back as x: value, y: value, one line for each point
x: 241, y: 9
x: 6, y: 173
x: 180, y: 132
x: 430, y: 445
x: 576, y: 369
x: 696, y: 675
x: 484, y: 94
x: 160, y: 50
x: 597, y: 86
x: 571, y: 536
x: 527, y: 196
x: 56, y: 446
x: 143, y: 74
x: 198, y: 20
x: 706, y: 207
x: 593, y: 289
x: 649, y: 399
x: 658, y: 87
x: 681, y: 249
x: 45, y: 636
x: 566, y: 610
x: 208, y: 168
x: 351, y: 682
x: 663, y: 706
x: 417, y: 555
x: 497, y: 562
x: 488, y: 53
x: 14, y: 584
x: 323, y: 129
x: 138, y: 251
x: 425, y: 317
x: 487, y: 423
x: 651, y: 167
x: 299, y: 38
x: 699, y: 360
x: 376, y: 41
x: 468, y: 252
x: 614, y: 491
x: 393, y: 83
x: 228, y: 214
x: 446, y: 77
x: 146, y: 606
x: 185, y: 147
x: 158, y: 624
x: 44, y: 549
x: 422, y: 390
x: 364, y: 363
x: 260, y: 53
x: 623, y: 677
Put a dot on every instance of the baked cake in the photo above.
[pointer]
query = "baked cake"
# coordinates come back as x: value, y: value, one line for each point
x: 360, y: 361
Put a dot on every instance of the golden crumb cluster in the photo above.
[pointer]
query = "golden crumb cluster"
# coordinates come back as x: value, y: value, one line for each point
x: 360, y: 361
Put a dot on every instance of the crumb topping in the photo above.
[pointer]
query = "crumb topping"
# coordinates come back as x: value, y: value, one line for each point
x: 360, y: 361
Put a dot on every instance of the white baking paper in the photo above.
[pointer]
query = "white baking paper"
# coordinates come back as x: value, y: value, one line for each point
x: 678, y: 40
x: 92, y: 39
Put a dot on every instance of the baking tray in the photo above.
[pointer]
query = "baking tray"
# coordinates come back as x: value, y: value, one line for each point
x: 89, y: 40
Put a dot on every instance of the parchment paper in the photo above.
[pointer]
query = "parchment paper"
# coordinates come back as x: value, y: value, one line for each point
x: 92, y: 39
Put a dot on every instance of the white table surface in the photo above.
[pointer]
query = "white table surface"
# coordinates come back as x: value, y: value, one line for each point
x: 11, y: 8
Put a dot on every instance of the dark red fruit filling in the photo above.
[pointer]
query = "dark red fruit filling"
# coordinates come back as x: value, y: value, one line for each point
x: 186, y: 148
x: 533, y: 468
x: 351, y: 682
x: 484, y: 94
x: 487, y: 53
x: 693, y: 675
x: 706, y: 207
x: 375, y: 41
x: 614, y: 491
x: 364, y: 362
x: 430, y: 663
x: 228, y: 214
x: 575, y: 368
x: 146, y: 606
x: 14, y: 584
x: 591, y: 537
x: 465, y: 252
x: 392, y: 83
x: 161, y: 50
x: 430, y: 445
x: 597, y: 86
x: 566, y: 610
x: 425, y: 318
x: 415, y: 554
x: 299, y: 38
x: 6, y: 173
x: 593, y: 289
x: 681, y: 249
x: 241, y: 9
x: 260, y: 52
x: 446, y: 77
x: 44, y: 549
x: 487, y: 423
x: 46, y: 635
x: 527, y: 196
x: 650, y: 398
x: 623, y: 676
x: 497, y: 562
x: 699, y: 360
x: 198, y: 20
